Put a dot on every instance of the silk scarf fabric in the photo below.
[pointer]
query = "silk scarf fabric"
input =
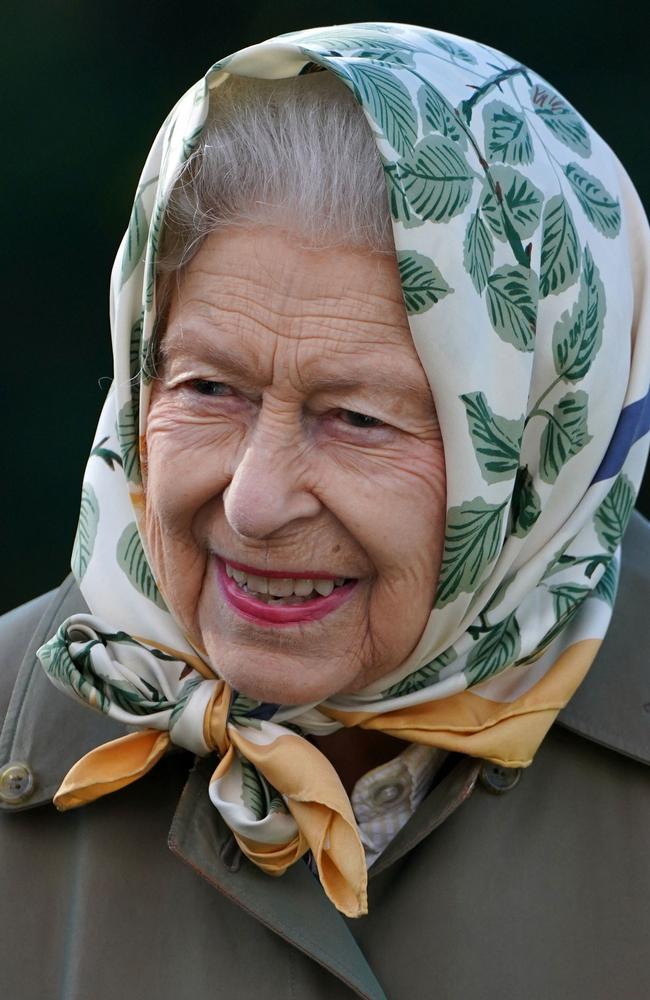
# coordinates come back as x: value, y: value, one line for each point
x: 523, y: 254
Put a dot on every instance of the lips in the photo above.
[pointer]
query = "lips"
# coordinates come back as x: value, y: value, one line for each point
x: 279, y: 599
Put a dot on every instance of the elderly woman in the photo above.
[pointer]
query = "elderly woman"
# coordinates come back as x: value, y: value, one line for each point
x: 349, y: 541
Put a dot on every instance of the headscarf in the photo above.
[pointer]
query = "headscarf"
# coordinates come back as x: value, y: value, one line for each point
x: 523, y: 255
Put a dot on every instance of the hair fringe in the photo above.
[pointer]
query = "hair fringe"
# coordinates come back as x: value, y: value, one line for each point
x: 294, y: 153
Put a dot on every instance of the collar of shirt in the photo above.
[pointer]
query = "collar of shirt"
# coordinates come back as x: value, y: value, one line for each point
x: 385, y: 798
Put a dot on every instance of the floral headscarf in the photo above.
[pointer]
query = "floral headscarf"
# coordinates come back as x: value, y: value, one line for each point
x: 523, y: 254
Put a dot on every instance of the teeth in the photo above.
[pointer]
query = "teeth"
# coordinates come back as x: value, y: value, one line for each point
x: 283, y: 587
x: 280, y: 588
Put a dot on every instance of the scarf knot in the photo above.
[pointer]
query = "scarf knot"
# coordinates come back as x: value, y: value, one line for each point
x: 276, y: 792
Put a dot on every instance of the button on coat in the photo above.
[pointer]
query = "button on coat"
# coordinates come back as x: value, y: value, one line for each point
x: 16, y: 783
x: 497, y: 779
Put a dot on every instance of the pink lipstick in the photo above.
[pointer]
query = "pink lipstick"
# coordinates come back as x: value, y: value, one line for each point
x: 249, y: 606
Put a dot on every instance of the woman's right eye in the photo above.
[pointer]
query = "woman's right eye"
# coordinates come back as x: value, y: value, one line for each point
x: 205, y: 387
x: 362, y: 420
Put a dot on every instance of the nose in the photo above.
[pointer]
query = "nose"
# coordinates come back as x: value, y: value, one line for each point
x: 269, y: 489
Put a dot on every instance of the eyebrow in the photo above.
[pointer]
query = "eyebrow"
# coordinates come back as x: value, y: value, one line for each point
x: 202, y: 350
x: 378, y: 377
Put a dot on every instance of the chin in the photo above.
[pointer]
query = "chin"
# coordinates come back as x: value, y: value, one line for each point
x: 279, y: 682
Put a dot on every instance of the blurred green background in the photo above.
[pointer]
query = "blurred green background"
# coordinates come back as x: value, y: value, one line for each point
x: 86, y: 86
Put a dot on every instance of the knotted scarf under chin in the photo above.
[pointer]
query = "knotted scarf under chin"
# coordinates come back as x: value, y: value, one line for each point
x: 278, y: 794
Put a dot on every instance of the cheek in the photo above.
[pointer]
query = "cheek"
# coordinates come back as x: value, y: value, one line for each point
x: 404, y: 537
x: 188, y: 462
x: 394, y: 504
x: 186, y: 470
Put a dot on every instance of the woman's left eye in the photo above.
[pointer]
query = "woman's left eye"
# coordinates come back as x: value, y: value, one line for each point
x: 360, y: 419
x: 207, y: 388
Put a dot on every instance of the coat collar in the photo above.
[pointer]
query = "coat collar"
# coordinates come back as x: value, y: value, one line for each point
x: 612, y: 705
x: 50, y: 732
x: 44, y: 729
x: 294, y: 906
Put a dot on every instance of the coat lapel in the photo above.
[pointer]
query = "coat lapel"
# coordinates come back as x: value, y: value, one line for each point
x: 455, y: 787
x: 293, y: 906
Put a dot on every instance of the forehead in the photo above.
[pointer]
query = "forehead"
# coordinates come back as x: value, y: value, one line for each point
x: 258, y: 296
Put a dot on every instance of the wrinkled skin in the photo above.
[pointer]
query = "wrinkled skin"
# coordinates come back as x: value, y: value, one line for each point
x: 255, y: 452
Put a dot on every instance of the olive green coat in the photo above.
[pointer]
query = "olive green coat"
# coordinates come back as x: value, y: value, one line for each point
x: 540, y: 892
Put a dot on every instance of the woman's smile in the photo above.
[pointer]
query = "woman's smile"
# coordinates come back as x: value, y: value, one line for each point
x: 281, y: 598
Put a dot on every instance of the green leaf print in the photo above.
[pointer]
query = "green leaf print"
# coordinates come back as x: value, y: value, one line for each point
x: 565, y: 434
x: 136, y: 240
x: 422, y: 678
x: 438, y: 115
x: 387, y: 55
x: 133, y: 562
x: 560, y: 261
x: 478, y: 252
x: 578, y: 335
x: 154, y: 240
x: 611, y: 517
x: 602, y: 210
x: 400, y: 208
x: 496, y: 440
x: 84, y: 542
x: 134, y: 348
x: 550, y: 636
x: 241, y: 706
x: 191, y: 141
x: 512, y: 305
x: 495, y: 650
x: 129, y: 438
x: 184, y: 695
x: 277, y: 803
x: 365, y: 45
x: 566, y: 598
x: 389, y: 103
x: 453, y: 49
x: 471, y: 544
x: 422, y: 283
x: 252, y: 789
x: 507, y: 138
x: 526, y: 505
x: 565, y: 123
x: 56, y: 660
x: 466, y: 107
x: 368, y: 38
x: 515, y: 197
x: 112, y: 459
x: 608, y: 584
x: 560, y: 560
x: 436, y: 178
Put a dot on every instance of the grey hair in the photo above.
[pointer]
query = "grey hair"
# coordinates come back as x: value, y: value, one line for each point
x: 294, y: 153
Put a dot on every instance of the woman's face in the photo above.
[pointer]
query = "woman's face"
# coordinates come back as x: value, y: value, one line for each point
x: 292, y: 441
